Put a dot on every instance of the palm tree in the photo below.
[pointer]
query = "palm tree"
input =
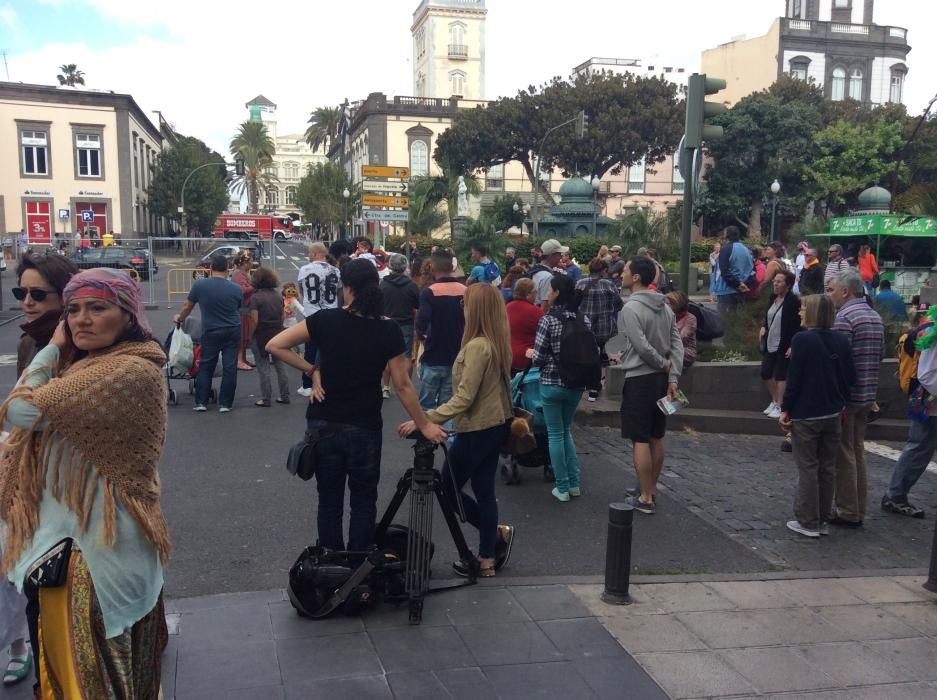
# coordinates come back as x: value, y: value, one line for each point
x: 253, y: 145
x: 323, y: 127
x: 70, y: 75
x: 431, y: 191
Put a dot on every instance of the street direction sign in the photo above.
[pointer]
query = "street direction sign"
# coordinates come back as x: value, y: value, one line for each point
x: 384, y: 215
x: 377, y: 200
x: 384, y: 171
x: 87, y: 216
x: 384, y: 186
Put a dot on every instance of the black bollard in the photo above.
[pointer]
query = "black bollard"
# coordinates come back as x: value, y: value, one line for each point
x: 618, y: 554
x: 931, y: 583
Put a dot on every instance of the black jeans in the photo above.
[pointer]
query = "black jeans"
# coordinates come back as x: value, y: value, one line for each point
x: 224, y: 342
x: 353, y: 453
x: 474, y: 456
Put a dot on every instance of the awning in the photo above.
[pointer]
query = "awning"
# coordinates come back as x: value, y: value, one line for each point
x: 881, y: 225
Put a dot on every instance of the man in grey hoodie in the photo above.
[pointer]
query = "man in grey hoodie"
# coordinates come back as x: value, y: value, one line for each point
x: 652, y: 360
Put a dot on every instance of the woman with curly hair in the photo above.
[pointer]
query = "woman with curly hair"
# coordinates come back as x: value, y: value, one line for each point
x: 243, y: 264
x: 80, y: 493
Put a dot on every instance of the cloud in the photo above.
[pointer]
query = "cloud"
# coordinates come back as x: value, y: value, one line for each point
x: 9, y: 19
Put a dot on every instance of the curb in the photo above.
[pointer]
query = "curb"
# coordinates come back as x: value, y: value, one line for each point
x: 5, y: 321
x: 532, y: 581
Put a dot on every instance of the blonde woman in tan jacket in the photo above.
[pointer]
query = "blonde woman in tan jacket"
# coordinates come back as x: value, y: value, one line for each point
x: 481, y: 411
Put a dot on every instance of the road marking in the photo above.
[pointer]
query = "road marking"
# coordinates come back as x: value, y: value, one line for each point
x: 892, y: 454
x: 6, y: 360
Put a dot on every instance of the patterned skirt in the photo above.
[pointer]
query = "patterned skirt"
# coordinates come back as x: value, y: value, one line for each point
x: 77, y: 661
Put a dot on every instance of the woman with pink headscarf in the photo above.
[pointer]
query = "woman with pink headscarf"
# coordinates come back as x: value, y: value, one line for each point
x: 80, y: 493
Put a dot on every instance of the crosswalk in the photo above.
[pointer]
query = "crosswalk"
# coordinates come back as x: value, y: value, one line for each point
x: 7, y: 360
x: 892, y: 454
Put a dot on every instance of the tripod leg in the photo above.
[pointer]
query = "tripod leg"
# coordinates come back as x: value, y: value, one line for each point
x: 419, y: 545
x: 403, y: 486
x: 465, y: 554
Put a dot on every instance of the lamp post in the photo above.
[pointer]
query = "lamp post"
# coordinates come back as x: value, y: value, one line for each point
x: 345, y: 195
x: 775, y: 188
x: 596, y: 183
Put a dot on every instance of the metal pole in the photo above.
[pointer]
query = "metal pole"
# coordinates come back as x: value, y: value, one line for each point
x: 539, y: 160
x: 774, y: 208
x: 618, y: 554
x: 685, y: 228
x: 595, y: 215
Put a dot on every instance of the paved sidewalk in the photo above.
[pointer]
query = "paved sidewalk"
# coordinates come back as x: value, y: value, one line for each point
x: 872, y: 638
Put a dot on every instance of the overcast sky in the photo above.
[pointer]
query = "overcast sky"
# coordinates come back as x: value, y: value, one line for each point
x: 199, y: 61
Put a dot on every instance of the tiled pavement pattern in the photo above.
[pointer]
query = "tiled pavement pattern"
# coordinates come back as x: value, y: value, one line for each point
x: 809, y: 639
x: 478, y: 642
x: 744, y: 485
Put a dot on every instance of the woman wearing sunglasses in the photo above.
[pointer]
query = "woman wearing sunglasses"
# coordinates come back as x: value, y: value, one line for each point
x: 41, y: 279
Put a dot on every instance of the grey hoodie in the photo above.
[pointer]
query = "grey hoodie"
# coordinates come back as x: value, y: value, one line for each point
x: 651, y: 336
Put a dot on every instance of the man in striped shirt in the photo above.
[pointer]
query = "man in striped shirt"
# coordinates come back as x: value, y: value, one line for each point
x: 866, y: 333
x: 836, y: 264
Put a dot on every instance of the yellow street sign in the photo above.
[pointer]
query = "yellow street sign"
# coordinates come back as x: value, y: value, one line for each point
x: 384, y: 171
x: 379, y: 200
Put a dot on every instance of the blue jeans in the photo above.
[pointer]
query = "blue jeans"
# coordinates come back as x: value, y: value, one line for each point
x: 474, y: 456
x: 224, y: 342
x: 917, y: 453
x: 559, y: 408
x: 435, y: 386
x: 407, y: 330
x: 353, y: 453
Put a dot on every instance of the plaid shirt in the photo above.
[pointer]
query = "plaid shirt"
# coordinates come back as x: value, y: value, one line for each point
x: 601, y: 302
x: 866, y: 333
x: 547, y: 344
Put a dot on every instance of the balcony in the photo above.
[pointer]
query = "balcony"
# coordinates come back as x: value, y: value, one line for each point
x: 844, y: 31
x: 458, y: 51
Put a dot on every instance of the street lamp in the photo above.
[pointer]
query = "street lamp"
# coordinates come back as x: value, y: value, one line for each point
x: 775, y: 188
x: 596, y: 183
x: 345, y: 194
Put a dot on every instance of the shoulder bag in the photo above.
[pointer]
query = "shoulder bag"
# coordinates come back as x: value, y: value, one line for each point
x: 302, y: 458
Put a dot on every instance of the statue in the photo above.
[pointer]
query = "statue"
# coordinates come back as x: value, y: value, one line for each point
x: 463, y: 209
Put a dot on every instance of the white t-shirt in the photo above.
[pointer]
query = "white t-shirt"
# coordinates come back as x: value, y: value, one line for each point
x: 320, y: 286
x: 541, y: 282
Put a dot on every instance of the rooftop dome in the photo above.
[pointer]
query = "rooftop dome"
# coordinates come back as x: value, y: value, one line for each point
x: 576, y: 187
x: 875, y: 198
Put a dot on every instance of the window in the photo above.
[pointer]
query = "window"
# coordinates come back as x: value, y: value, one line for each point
x: 796, y: 9
x: 35, y: 152
x: 799, y: 66
x: 291, y: 195
x: 842, y: 11
x: 896, y: 90
x: 494, y: 180
x: 841, y: 4
x: 678, y: 182
x: 292, y: 170
x: 88, y: 153
x: 636, y: 177
x: 419, y: 159
x: 273, y: 196
x: 271, y: 170
x: 855, y: 84
x: 421, y: 85
x: 457, y: 34
x: 457, y: 83
x: 838, y: 87
x: 420, y: 40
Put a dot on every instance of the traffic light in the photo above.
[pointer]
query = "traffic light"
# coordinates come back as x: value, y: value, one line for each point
x: 582, y: 124
x: 697, y: 109
x: 238, y: 167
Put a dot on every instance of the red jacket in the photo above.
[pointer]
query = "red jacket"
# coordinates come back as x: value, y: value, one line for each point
x: 522, y: 320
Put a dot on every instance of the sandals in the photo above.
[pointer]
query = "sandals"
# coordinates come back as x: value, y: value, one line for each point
x: 18, y: 669
x: 263, y: 403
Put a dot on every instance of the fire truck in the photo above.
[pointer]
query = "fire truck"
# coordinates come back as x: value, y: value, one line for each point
x: 253, y: 227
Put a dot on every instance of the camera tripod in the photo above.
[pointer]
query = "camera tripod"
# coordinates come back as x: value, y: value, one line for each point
x: 423, y: 481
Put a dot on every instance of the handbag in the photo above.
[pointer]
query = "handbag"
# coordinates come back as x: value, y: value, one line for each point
x: 520, y: 439
x: 302, y: 459
x: 876, y: 280
x: 51, y: 569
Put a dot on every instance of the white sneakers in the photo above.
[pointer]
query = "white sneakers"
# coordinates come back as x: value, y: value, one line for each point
x: 770, y: 408
x: 773, y: 410
x: 801, y: 530
x: 303, y: 391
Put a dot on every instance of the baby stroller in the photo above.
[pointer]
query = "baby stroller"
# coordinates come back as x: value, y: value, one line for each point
x: 525, y: 393
x: 193, y: 327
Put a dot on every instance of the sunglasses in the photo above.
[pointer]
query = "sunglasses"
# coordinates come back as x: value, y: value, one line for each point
x: 36, y: 293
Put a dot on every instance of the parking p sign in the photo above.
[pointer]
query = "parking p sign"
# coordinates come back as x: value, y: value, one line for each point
x: 87, y: 216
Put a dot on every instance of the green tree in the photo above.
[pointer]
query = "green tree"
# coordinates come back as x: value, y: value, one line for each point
x: 253, y: 145
x: 630, y: 119
x: 426, y: 220
x: 431, y: 191
x: 323, y: 127
x: 643, y: 229
x: 206, y: 193
x: 70, y: 75
x: 767, y: 137
x: 503, y: 215
x: 848, y: 158
x: 319, y: 195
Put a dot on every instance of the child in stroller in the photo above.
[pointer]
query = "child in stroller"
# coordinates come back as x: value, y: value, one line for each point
x: 193, y: 328
x: 525, y: 393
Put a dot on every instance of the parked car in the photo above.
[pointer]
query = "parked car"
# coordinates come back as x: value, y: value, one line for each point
x: 151, y: 264
x: 113, y: 256
x: 229, y: 251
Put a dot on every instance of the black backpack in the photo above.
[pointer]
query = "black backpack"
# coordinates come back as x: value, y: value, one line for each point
x: 535, y: 269
x: 709, y: 325
x: 665, y: 286
x: 580, y: 363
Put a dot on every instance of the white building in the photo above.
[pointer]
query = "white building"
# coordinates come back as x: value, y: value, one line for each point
x: 449, y: 49
x: 645, y: 68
